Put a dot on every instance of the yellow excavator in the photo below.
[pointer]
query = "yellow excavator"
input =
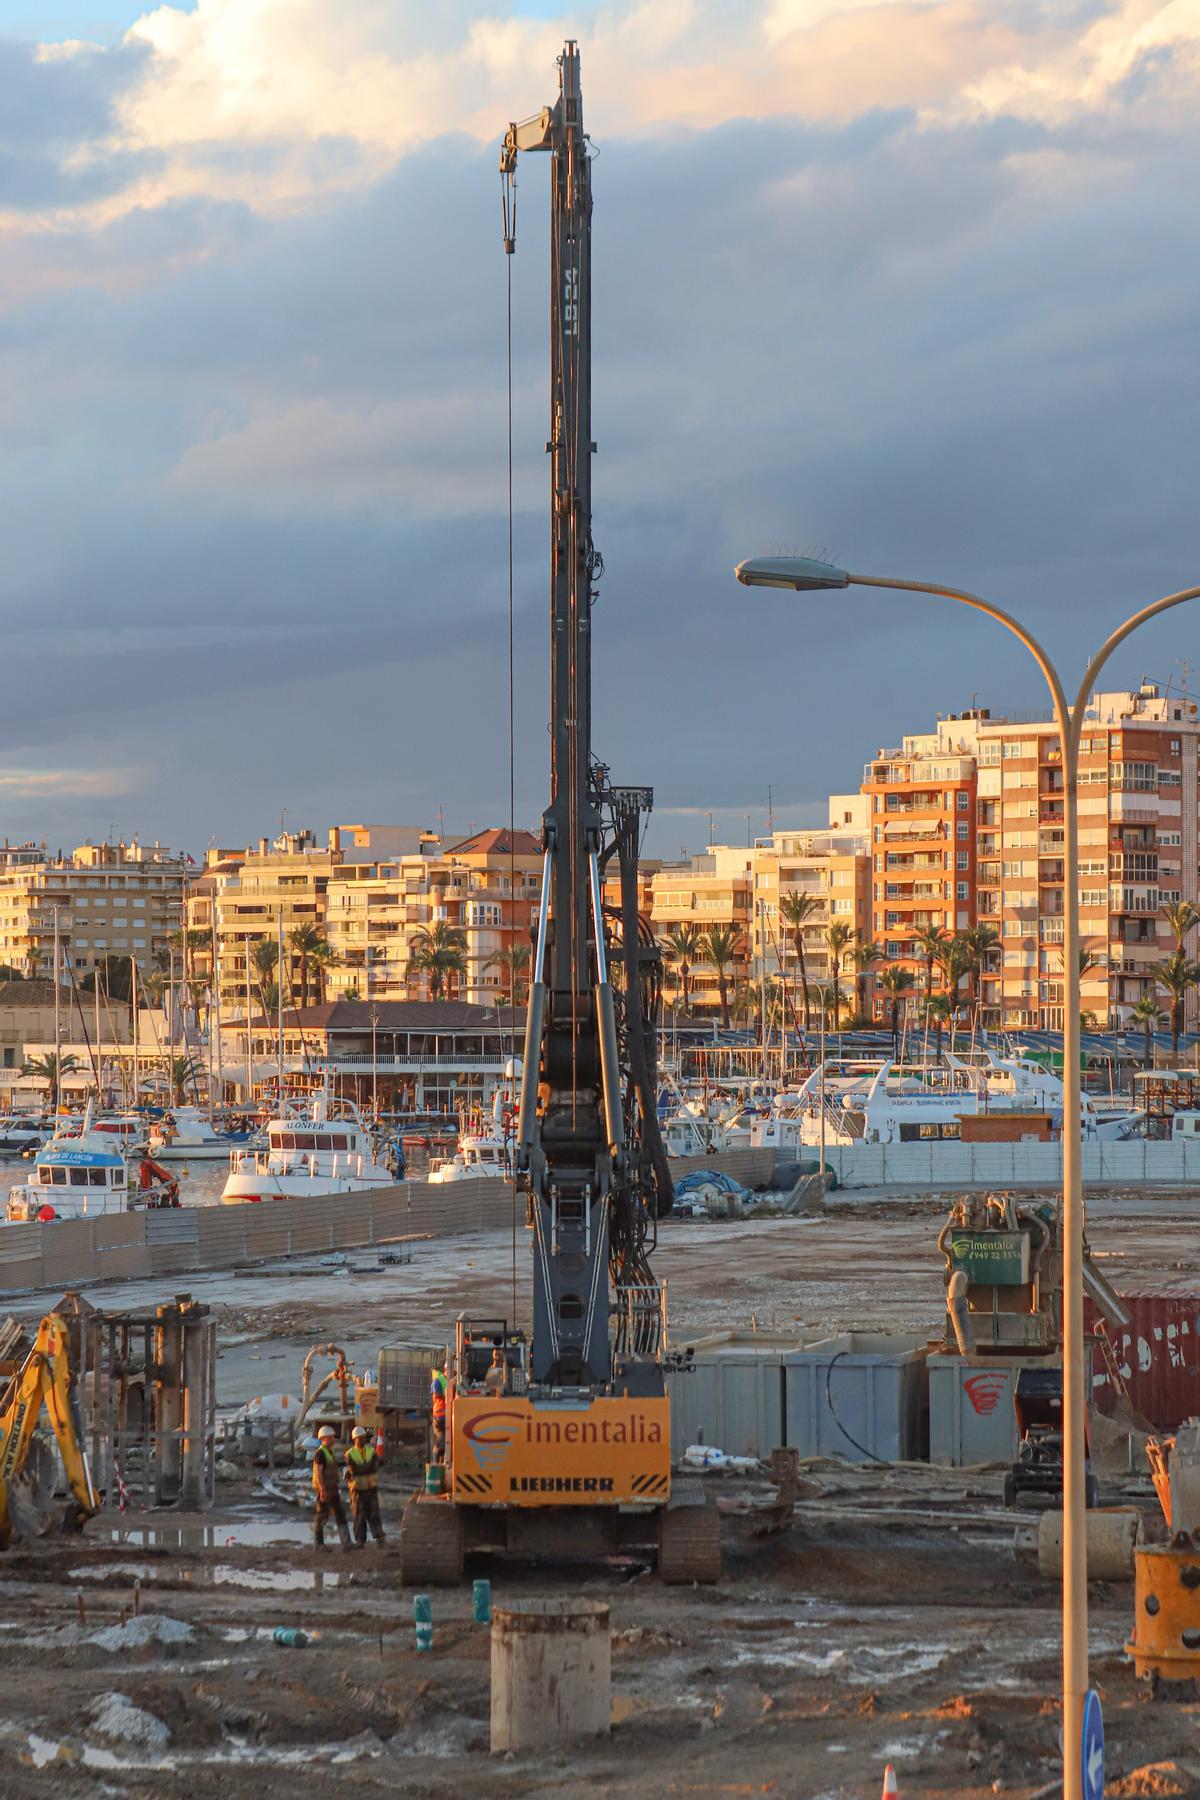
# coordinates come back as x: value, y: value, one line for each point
x: 44, y: 1379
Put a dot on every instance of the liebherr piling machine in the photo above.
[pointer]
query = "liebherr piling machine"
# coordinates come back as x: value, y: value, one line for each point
x: 565, y: 1453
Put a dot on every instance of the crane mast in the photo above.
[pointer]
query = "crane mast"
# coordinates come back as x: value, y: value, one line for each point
x: 588, y: 1150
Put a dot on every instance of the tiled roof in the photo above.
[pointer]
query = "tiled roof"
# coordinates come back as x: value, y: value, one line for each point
x: 496, y: 841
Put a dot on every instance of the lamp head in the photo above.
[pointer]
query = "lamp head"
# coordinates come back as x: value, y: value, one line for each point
x: 804, y: 574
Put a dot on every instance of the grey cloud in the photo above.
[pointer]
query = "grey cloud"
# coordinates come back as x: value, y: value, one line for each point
x: 965, y: 354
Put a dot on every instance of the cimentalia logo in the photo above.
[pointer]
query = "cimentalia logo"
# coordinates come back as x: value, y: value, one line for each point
x: 985, y: 1392
x: 490, y: 1436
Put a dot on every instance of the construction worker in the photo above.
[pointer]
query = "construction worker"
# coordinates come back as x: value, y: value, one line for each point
x: 437, y: 1409
x: 362, y: 1474
x: 495, y: 1380
x: 325, y: 1486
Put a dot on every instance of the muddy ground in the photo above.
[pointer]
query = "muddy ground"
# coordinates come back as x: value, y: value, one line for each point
x: 896, y: 1621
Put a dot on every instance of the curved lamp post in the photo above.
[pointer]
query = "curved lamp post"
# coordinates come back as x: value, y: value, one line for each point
x: 806, y: 575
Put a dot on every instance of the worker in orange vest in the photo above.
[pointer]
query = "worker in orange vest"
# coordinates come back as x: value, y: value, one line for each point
x: 437, y: 1409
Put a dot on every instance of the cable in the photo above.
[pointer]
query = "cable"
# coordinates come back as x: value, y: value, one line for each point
x: 833, y: 1413
x: 512, y: 779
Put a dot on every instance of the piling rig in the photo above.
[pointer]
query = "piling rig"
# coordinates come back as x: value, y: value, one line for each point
x: 572, y: 1457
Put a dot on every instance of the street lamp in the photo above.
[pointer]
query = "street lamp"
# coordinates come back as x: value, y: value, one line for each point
x: 805, y: 575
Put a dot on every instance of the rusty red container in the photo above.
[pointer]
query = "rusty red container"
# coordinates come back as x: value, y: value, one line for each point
x: 1157, y: 1355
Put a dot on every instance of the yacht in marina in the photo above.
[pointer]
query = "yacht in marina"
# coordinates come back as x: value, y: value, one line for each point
x: 315, y: 1145
x: 189, y: 1135
x: 84, y: 1170
x: 884, y: 1101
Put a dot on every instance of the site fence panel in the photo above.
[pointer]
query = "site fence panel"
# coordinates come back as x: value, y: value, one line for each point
x: 947, y: 1165
x: 221, y: 1236
x: 267, y: 1230
x: 389, y: 1215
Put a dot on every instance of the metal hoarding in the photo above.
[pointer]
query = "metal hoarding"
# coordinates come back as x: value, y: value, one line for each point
x: 731, y: 1399
x: 860, y: 1396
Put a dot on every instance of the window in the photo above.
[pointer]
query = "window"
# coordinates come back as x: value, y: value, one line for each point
x: 1012, y: 928
x: 963, y: 801
x: 963, y: 891
x: 1168, y: 838
x: 963, y: 829
x: 1170, y: 778
x: 842, y: 907
x: 1093, y: 897
x: 962, y: 860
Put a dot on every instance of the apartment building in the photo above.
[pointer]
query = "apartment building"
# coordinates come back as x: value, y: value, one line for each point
x: 251, y: 895
x: 713, y: 890
x: 979, y: 802
x: 488, y: 886
x: 831, y: 868
x: 1138, y: 806
x: 922, y: 800
x: 111, y: 900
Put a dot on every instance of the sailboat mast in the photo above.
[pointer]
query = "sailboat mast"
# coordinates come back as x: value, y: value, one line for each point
x: 279, y: 1002
x: 57, y: 1026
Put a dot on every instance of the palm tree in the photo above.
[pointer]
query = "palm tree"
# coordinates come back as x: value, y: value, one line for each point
x: 829, y: 999
x: 264, y: 956
x: 305, y: 941
x: 8, y: 973
x: 895, y: 981
x: 321, y: 958
x: 1177, y: 975
x: 680, y: 946
x: 837, y: 936
x: 795, y: 910
x: 935, y: 1011
x: 930, y: 943
x: 955, y: 960
x: 514, y: 962
x: 863, y: 953
x: 1180, y: 915
x: 978, y: 941
x: 51, y: 1068
x: 1147, y: 1013
x: 182, y: 1073
x: 719, y: 946
x: 437, y: 952
x: 154, y: 986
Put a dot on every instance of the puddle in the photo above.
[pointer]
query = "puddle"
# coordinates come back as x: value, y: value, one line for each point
x: 213, y: 1537
x: 279, y: 1581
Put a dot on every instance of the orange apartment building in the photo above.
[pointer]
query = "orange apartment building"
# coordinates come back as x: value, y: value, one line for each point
x: 923, y: 847
x: 1138, y: 833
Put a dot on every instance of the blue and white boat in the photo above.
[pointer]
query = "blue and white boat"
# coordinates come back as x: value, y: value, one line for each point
x: 78, y: 1175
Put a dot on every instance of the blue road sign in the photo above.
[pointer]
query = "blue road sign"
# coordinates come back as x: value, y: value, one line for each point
x: 1092, y: 1748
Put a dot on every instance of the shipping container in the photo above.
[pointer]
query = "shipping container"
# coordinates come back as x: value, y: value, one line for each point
x: 1157, y: 1356
x: 972, y: 1407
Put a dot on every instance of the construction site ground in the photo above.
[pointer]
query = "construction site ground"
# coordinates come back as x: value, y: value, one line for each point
x: 895, y: 1621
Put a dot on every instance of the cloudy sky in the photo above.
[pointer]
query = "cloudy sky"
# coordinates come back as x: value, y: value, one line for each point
x: 915, y: 283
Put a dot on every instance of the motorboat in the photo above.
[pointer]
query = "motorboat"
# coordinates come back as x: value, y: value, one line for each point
x: 188, y: 1134
x: 21, y: 1133
x: 886, y: 1101
x: 317, y: 1145
x: 484, y: 1151
x: 83, y: 1171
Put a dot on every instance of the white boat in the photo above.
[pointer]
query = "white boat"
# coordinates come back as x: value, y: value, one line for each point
x: 476, y: 1156
x: 84, y: 1171
x: 485, y: 1153
x: 189, y: 1135
x: 22, y: 1133
x: 314, y: 1146
x: 882, y: 1101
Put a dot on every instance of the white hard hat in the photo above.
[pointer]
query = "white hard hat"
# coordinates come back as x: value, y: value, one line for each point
x: 360, y: 1431
x: 327, y: 1431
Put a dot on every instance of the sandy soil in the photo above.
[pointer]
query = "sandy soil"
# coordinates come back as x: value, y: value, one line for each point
x: 894, y: 1622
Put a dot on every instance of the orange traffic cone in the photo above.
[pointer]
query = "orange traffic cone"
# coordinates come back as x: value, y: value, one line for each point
x: 890, y: 1789
x: 379, y: 1442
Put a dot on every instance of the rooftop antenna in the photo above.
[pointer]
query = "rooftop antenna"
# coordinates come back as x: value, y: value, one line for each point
x: 770, y: 810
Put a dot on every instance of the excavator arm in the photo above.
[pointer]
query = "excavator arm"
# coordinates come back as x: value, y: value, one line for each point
x: 44, y: 1379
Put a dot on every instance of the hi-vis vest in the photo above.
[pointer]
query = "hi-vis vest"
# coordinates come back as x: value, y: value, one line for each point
x: 438, y: 1395
x: 324, y: 1469
x: 362, y: 1469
